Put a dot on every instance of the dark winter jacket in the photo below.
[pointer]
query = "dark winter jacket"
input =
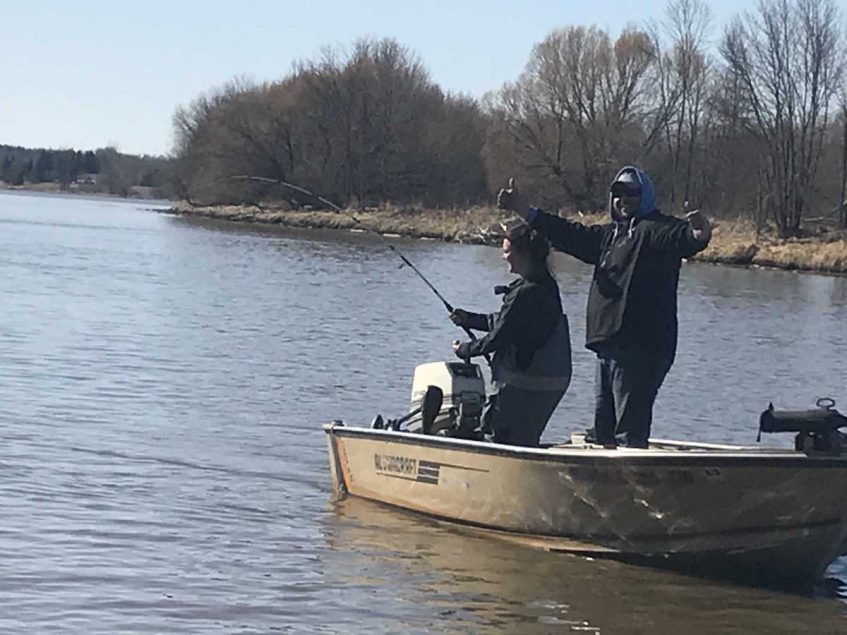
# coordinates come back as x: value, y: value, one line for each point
x: 530, y: 313
x: 633, y: 294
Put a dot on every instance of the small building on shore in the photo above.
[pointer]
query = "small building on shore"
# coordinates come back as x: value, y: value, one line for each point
x: 87, y: 179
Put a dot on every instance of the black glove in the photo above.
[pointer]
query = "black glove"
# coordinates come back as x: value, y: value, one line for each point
x: 459, y: 317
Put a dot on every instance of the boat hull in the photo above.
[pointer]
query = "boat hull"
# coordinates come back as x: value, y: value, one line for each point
x: 769, y: 514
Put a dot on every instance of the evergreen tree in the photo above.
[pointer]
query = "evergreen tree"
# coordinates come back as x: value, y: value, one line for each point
x: 6, y: 169
x: 25, y: 174
x: 43, y: 167
x: 90, y: 164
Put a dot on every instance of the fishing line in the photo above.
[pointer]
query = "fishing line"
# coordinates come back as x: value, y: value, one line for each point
x: 355, y: 219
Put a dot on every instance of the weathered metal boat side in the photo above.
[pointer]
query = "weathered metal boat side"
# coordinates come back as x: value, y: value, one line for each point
x: 773, y: 512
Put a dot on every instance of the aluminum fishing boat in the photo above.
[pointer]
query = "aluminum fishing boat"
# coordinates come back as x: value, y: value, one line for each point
x: 769, y: 515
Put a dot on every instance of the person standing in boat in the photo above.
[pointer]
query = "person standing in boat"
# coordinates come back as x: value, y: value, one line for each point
x: 631, y: 317
x: 530, y: 340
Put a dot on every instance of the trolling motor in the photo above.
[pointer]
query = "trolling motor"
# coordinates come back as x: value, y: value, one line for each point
x: 817, y: 429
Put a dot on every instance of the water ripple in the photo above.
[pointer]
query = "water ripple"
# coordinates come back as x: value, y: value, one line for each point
x: 162, y: 467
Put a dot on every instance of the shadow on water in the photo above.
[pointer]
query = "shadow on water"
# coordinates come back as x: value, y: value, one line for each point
x: 427, y: 574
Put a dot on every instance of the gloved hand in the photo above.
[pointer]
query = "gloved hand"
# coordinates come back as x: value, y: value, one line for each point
x: 459, y: 317
x: 701, y: 228
x: 460, y: 349
x: 509, y: 198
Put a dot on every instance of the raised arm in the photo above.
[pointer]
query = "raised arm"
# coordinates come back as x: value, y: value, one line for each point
x: 578, y: 240
x: 685, y: 237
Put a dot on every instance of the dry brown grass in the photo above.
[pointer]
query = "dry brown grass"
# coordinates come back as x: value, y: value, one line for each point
x: 476, y: 225
x: 736, y: 242
x: 733, y: 242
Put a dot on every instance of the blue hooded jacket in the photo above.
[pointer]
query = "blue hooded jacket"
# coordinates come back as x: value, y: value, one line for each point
x: 648, y: 193
x: 632, y: 299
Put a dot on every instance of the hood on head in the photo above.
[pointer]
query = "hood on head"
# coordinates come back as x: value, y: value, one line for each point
x: 648, y: 196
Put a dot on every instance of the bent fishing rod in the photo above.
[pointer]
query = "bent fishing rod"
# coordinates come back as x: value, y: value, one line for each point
x: 355, y: 219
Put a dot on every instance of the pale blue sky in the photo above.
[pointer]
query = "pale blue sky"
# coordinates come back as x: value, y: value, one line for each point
x: 90, y: 73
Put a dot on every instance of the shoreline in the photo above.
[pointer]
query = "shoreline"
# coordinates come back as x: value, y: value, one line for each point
x: 139, y: 193
x: 734, y: 242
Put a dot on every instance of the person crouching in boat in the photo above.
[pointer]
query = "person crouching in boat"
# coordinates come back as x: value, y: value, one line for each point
x: 530, y: 340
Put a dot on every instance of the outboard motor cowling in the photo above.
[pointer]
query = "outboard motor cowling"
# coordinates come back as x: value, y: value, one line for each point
x: 463, y: 389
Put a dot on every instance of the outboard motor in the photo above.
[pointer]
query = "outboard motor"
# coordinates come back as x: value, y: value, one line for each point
x: 431, y: 407
x: 463, y: 389
x: 426, y: 412
x: 817, y: 429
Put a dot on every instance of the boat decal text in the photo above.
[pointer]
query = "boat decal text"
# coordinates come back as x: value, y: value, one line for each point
x: 408, y: 468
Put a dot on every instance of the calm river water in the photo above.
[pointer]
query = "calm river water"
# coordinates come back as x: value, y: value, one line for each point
x: 162, y: 466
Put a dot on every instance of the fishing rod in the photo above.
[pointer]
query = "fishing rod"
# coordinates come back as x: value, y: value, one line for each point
x: 355, y: 219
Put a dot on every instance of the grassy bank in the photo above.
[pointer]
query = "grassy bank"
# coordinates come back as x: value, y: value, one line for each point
x: 733, y: 242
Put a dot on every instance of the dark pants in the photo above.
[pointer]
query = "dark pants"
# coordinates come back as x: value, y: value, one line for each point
x: 627, y: 382
x: 518, y: 417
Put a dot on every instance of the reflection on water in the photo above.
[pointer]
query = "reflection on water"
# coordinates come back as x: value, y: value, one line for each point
x: 162, y: 468
x: 429, y: 575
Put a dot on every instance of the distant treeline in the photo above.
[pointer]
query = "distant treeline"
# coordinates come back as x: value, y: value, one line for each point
x: 104, y: 170
x: 755, y: 127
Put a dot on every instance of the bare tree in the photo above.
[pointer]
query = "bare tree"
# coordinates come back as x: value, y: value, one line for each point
x: 758, y: 135
x: 842, y: 199
x: 728, y: 167
x: 578, y: 106
x: 365, y: 126
x: 682, y: 76
x: 207, y: 148
x: 789, y: 60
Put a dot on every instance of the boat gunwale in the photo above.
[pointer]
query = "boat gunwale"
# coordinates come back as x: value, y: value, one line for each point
x: 723, y: 457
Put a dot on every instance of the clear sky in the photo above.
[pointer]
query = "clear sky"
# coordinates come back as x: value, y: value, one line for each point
x: 93, y: 73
